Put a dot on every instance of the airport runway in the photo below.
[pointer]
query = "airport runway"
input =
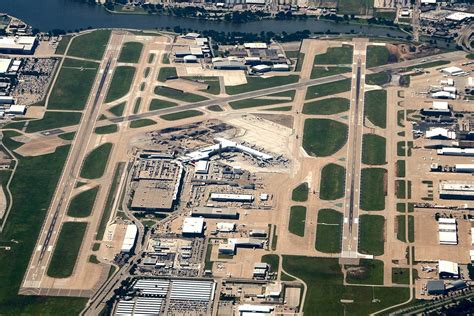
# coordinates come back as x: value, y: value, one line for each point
x: 51, y: 227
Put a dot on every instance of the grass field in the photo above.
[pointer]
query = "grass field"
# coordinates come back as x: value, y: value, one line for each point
x: 324, y: 137
x: 376, y: 107
x: 67, y: 249
x: 320, y: 72
x: 33, y: 186
x: 67, y: 136
x: 297, y: 220
x: 335, y: 56
x: 157, y: 104
x: 379, y: 78
x: 106, y: 129
x: 329, y: 231
x: 111, y: 197
x: 50, y: 120
x: 178, y: 95
x: 300, y: 193
x: 326, y: 89
x: 138, y: 103
x: 354, y: 6
x: 214, y: 86
x: 324, y: 280
x: 181, y: 115
x: 118, y: 109
x: 428, y: 65
x: 401, y: 275
x: 121, y: 83
x: 258, y: 83
x: 281, y: 108
x: 272, y: 260
x: 299, y: 62
x: 378, y: 55
x: 95, y: 163
x: 332, y: 185
x: 401, y: 232
x: 167, y: 72
x: 141, y: 123
x: 326, y: 106
x: 400, y: 189
x: 371, y: 234
x: 130, y: 52
x: 62, y: 46
x: 81, y: 205
x: 401, y: 166
x: 73, y: 85
x: 250, y: 103
x: 215, y: 108
x: 372, y: 195
x: 90, y: 46
x: 367, y: 272
x: 373, y: 149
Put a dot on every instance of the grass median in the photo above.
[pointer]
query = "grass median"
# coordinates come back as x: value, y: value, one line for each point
x: 321, y: 72
x: 213, y: 84
x: 367, y: 272
x: 373, y: 189
x: 258, y: 83
x: 50, y: 120
x: 167, y: 73
x: 378, y: 78
x: 157, y: 104
x: 178, y: 94
x: 181, y: 115
x: 141, y: 123
x: 276, y: 98
x: 81, y: 205
x: 118, y: 109
x: 326, y: 106
x: 90, y: 45
x: 130, y: 52
x: 324, y: 137
x: 325, y: 89
x: 95, y: 163
x: 297, y: 220
x: 375, y: 107
x: 67, y: 249
x: 329, y: 231
x: 121, y: 83
x: 106, y: 129
x: 300, y: 193
x: 378, y: 55
x: 335, y: 56
x: 371, y: 234
x: 332, y: 185
x: 272, y: 260
x: 373, y: 149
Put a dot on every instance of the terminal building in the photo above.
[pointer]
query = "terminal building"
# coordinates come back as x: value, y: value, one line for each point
x: 456, y: 190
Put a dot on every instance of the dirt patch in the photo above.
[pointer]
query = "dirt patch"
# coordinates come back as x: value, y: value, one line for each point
x: 285, y: 120
x: 38, y: 147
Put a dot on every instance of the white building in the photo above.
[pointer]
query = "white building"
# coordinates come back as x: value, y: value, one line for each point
x: 225, y: 227
x: 447, y: 231
x: 443, y: 95
x: 5, y: 64
x: 17, y: 44
x: 452, y: 71
x: 202, y: 167
x: 232, y: 197
x: 129, y: 239
x: 454, y: 151
x: 440, y: 133
x: 193, y: 226
x: 448, y: 269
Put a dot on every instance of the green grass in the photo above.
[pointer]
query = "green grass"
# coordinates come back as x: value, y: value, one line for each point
x: 274, y: 238
x: 167, y: 72
x: 258, y: 83
x: 73, y: 85
x: 141, y: 123
x: 326, y: 106
x: 249, y: 103
x: 335, y: 56
x: 118, y: 109
x: 96, y: 246
x: 377, y: 56
x: 280, y: 108
x: 50, y: 120
x: 106, y: 129
x: 371, y: 234
x: 67, y: 136
x: 470, y: 56
x: 32, y: 187
x: 146, y: 73
x: 214, y: 86
x: 401, y: 275
x: 379, y: 78
x: 373, y: 149
x: 332, y: 183
x: 91, y: 45
x: 93, y: 259
x: 354, y: 6
x: 137, y: 105
x: 297, y: 220
x: 292, y: 53
x: 401, y: 168
x: 299, y: 62
x: 181, y: 115
x: 130, y: 52
x: 62, y: 46
x: 67, y: 249
x: 324, y: 137
x: 376, y: 107
x: 368, y: 272
x: 387, y: 15
x: 325, y: 289
x: 326, y: 89
x: 401, y: 150
x: 372, y: 191
x: 178, y: 95
x: 215, y: 108
x: 321, y: 72
x: 329, y: 231
x: 157, y: 104
x: 121, y: 83
x: 166, y: 59
x: 81, y: 205
x: 428, y: 65
x: 401, y: 232
x: 400, y: 189
x: 272, y: 260
x: 286, y: 277
x: 111, y: 197
x: 208, y: 264
x: 300, y: 193
x: 95, y: 163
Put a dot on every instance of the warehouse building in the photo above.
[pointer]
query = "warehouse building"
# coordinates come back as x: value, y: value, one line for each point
x: 440, y: 133
x: 215, y: 212
x: 193, y: 226
x: 129, y: 239
x: 452, y: 71
x: 435, y: 287
x: 140, y: 306
x: 456, y: 190
x: 225, y: 227
x: 5, y: 64
x: 192, y: 290
x: 447, y: 231
x: 18, y: 44
x: 221, y: 197
x: 201, y: 167
x: 448, y: 270
x: 230, y: 247
x: 453, y: 151
x: 229, y: 65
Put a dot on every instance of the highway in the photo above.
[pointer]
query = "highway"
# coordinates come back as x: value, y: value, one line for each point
x: 38, y: 266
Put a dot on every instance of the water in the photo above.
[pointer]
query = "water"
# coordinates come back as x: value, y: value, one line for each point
x: 68, y: 15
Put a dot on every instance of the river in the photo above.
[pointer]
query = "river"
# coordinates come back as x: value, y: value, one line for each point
x: 68, y: 15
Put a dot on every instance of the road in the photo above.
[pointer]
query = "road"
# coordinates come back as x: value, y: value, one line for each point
x: 51, y: 227
x: 354, y: 152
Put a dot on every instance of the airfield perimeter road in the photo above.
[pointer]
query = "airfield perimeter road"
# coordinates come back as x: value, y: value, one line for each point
x: 452, y: 56
x: 42, y: 254
x: 354, y: 152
